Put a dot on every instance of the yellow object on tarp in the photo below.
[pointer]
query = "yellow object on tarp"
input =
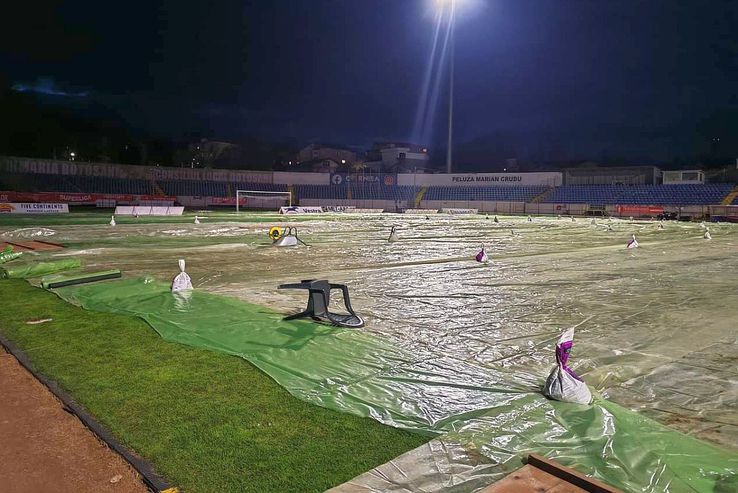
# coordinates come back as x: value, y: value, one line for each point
x: 275, y: 232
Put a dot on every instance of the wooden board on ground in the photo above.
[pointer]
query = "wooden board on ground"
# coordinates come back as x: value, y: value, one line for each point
x: 33, y: 245
x: 543, y: 475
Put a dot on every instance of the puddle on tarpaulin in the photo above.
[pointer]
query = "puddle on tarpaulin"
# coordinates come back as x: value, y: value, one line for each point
x: 655, y: 326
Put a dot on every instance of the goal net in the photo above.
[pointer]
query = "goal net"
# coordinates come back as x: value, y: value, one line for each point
x: 258, y: 199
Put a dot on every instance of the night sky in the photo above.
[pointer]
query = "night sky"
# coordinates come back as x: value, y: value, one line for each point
x: 535, y: 79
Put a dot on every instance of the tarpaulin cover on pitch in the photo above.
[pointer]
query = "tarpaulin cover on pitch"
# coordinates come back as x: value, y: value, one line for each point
x: 496, y: 409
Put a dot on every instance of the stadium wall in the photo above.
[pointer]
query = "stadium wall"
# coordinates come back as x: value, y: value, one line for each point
x: 555, y: 209
x: 482, y: 206
x: 386, y: 205
x: 629, y: 175
x: 13, y: 164
x: 479, y: 179
x: 286, y: 178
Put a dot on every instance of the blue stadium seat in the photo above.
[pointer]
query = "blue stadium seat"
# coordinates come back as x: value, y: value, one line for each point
x: 493, y: 194
x: 703, y: 194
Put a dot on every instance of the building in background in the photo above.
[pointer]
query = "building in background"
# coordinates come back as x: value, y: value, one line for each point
x: 684, y: 177
x: 397, y: 157
x: 319, y: 165
x: 204, y: 154
x: 317, y: 152
x: 592, y: 174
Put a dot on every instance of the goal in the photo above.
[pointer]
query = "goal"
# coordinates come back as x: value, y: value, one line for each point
x: 260, y: 199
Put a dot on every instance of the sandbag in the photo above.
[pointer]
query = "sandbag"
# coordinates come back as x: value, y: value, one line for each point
x: 182, y: 282
x: 562, y: 383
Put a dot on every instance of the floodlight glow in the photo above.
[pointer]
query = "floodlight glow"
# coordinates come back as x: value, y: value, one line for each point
x: 443, y: 5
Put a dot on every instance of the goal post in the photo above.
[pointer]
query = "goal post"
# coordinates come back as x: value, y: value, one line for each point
x: 263, y: 196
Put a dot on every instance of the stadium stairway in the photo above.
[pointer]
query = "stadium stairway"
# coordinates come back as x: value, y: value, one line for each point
x: 542, y: 196
x: 732, y: 195
x: 293, y: 194
x: 419, y: 196
x: 156, y: 189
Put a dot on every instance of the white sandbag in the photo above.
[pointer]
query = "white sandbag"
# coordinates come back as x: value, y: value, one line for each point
x: 562, y: 383
x: 182, y: 281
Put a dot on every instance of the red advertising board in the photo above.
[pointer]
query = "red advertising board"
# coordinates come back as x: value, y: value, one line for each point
x: 76, y: 198
x: 226, y: 200
x: 639, y: 210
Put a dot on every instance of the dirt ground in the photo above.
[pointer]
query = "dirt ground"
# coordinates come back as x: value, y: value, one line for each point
x: 45, y: 449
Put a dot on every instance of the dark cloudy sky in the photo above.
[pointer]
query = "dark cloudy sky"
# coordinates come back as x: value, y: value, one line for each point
x: 546, y: 78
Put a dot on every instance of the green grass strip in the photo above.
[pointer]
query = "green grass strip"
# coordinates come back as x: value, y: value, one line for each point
x: 207, y: 421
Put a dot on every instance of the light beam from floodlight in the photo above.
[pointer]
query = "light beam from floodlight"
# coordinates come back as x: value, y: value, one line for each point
x: 443, y: 5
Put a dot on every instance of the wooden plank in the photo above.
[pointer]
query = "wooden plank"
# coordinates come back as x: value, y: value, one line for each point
x: 570, y: 475
x: 50, y: 243
x: 17, y: 247
x: 33, y: 245
x: 529, y: 479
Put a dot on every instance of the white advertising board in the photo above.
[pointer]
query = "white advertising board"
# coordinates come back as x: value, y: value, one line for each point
x: 479, y: 179
x: 148, y: 210
x: 301, y: 210
x: 450, y: 210
x: 33, y: 208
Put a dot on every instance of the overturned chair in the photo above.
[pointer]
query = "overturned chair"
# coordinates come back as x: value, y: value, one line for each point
x: 318, y: 301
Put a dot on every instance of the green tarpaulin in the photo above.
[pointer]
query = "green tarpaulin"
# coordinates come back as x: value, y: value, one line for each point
x: 495, y: 409
x: 38, y: 269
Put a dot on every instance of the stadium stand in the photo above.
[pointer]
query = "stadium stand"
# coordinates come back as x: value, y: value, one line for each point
x: 323, y: 192
x: 381, y: 192
x: 193, y: 188
x: 640, y: 194
x: 26, y: 182
x: 595, y: 195
x: 511, y: 194
x: 264, y: 187
x: 356, y: 192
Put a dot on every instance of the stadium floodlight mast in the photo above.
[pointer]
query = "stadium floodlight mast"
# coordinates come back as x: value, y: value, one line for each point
x: 262, y: 195
x: 449, y: 7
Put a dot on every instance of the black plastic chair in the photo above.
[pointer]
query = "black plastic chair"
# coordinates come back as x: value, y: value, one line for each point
x: 319, y: 300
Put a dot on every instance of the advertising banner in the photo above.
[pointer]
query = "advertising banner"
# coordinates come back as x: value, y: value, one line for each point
x: 32, y: 208
x: 639, y: 210
x: 344, y: 179
x: 147, y: 210
x: 479, y: 179
x: 300, y: 210
x: 79, y: 198
x: 459, y: 211
x: 226, y: 200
